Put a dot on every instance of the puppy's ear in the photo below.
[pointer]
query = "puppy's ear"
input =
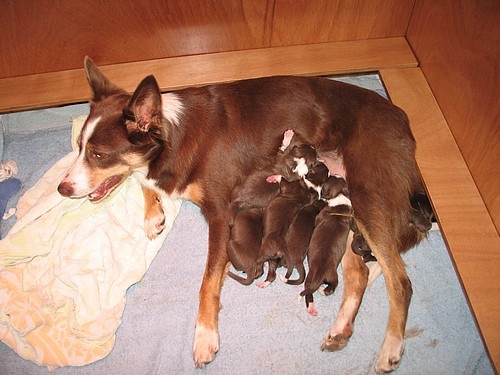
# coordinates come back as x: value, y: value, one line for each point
x: 144, y: 110
x: 101, y: 86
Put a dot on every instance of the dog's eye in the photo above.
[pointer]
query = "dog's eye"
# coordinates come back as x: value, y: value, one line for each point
x: 99, y: 155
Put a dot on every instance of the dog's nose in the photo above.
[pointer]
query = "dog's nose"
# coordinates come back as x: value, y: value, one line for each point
x: 65, y: 189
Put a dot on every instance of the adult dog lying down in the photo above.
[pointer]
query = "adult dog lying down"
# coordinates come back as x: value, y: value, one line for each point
x: 199, y: 143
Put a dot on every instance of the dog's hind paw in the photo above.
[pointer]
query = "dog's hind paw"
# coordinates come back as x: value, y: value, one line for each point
x: 332, y: 343
x: 390, y: 355
x: 205, y: 346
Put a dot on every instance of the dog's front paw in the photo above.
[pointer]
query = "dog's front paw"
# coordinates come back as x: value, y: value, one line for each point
x: 205, y: 346
x: 154, y: 220
x: 390, y: 355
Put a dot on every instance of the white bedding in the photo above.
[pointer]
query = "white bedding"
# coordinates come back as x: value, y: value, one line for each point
x: 65, y: 267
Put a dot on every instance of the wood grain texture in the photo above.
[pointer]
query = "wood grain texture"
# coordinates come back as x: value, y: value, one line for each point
x: 49, y: 89
x: 468, y: 230
x: 458, y: 46
x: 53, y: 35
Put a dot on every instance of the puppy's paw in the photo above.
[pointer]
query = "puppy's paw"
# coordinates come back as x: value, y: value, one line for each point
x: 312, y: 310
x: 154, y: 220
x: 263, y: 284
x: 390, y: 355
x: 205, y: 346
x: 274, y: 179
x: 287, y: 138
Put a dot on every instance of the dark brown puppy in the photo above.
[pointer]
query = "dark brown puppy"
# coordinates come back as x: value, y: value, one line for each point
x: 299, y: 234
x: 316, y: 177
x: 278, y: 216
x: 328, y: 241
x: 297, y: 241
x: 244, y: 246
x: 260, y: 187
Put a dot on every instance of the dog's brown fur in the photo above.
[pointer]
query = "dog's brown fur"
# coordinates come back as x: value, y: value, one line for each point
x: 206, y: 140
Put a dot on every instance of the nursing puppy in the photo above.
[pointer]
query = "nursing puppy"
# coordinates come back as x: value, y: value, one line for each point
x: 259, y: 188
x: 328, y: 241
x: 316, y: 177
x: 278, y: 216
x: 297, y: 241
x: 176, y: 143
x: 299, y: 234
x: 244, y: 246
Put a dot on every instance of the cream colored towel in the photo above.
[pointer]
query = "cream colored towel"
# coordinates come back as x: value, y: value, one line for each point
x: 65, y: 267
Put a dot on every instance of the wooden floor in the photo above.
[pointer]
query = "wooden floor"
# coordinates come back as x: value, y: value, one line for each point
x: 468, y: 230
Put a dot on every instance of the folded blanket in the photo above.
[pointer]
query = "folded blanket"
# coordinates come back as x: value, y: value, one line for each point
x: 65, y: 267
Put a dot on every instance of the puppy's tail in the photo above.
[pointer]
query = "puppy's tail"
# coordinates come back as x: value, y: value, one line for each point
x: 297, y: 281
x: 242, y: 280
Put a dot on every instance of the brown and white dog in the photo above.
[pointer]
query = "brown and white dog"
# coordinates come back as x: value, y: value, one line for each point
x: 199, y: 143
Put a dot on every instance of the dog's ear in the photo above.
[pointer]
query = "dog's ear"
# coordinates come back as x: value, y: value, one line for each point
x: 145, y: 109
x: 101, y: 86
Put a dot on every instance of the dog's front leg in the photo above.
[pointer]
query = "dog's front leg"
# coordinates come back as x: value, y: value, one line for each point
x: 206, y: 337
x: 154, y: 217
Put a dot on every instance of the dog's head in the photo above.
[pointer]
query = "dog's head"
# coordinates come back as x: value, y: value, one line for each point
x: 121, y: 134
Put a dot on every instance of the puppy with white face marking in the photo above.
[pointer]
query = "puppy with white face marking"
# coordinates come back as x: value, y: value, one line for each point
x: 199, y: 143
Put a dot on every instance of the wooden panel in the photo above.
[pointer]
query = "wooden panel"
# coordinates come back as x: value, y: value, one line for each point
x: 51, y: 89
x: 467, y: 227
x: 53, y: 35
x: 458, y: 46
x: 306, y: 21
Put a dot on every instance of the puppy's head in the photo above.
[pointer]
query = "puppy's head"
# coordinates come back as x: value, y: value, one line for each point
x: 317, y: 174
x: 334, y: 186
x: 121, y: 134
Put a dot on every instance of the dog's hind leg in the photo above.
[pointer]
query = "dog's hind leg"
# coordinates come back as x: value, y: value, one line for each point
x: 399, y: 290
x: 206, y: 337
x: 355, y: 276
